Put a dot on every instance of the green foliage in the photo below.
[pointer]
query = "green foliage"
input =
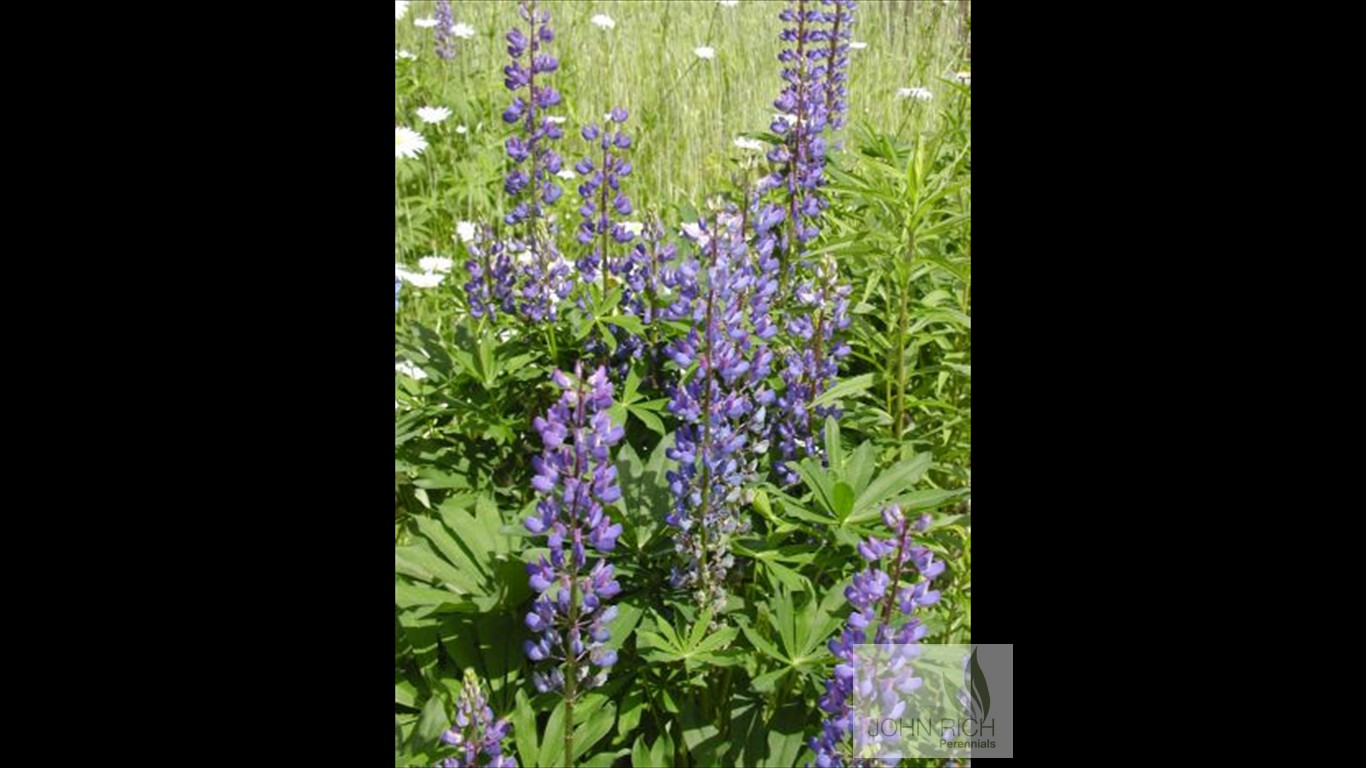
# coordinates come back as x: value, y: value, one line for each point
x: 691, y: 688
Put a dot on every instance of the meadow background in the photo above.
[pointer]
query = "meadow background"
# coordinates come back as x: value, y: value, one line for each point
x: 688, y: 689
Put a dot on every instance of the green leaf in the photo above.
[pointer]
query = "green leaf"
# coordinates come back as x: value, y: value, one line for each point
x: 860, y: 467
x: 834, y: 454
x: 524, y: 735
x: 552, y: 741
x: 432, y: 723
x: 662, y: 753
x: 846, y: 388
x: 894, y: 480
x: 648, y: 418
x: 630, y: 322
x: 640, y: 755
x: 842, y: 499
x: 590, y: 733
x: 632, y: 707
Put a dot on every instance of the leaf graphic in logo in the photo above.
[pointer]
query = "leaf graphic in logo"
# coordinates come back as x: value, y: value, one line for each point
x: 976, y: 682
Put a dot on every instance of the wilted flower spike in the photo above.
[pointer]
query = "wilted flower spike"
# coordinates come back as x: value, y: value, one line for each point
x: 575, y: 480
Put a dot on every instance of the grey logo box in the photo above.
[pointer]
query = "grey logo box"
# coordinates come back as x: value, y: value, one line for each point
x: 931, y: 700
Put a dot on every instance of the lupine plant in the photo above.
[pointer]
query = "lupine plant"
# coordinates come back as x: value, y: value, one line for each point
x: 721, y: 400
x: 531, y: 184
x: 666, y: 554
x: 475, y: 732
x: 575, y: 479
x: 884, y: 602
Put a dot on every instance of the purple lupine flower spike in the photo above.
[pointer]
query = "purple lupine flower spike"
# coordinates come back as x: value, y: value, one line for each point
x: 475, y: 732
x: 721, y: 401
x: 602, y: 197
x: 841, y: 18
x: 492, y: 284
x: 531, y: 183
x: 815, y: 327
x: 576, y: 479
x: 445, y: 30
x: 874, y: 594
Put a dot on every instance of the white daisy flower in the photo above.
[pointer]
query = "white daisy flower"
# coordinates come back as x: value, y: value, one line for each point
x: 634, y: 227
x: 557, y: 119
x: 426, y: 23
x: 404, y: 55
x: 857, y: 45
x: 433, y: 114
x: 727, y: 3
x: 604, y: 21
x: 435, y: 264
x: 400, y: 8
x: 704, y: 52
x: 408, y: 143
x: 423, y: 280
x: 411, y: 371
x: 918, y: 93
x: 751, y: 144
x: 460, y: 129
x: 462, y: 31
x: 567, y: 174
x: 465, y: 231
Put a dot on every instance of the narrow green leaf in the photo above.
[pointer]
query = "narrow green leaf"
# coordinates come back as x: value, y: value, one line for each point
x: 846, y: 388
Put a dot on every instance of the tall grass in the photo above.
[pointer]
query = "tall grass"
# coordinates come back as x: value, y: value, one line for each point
x: 686, y: 111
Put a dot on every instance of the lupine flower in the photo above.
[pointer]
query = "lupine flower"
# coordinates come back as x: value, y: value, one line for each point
x: 841, y: 19
x: 811, y: 366
x: 408, y: 143
x: 721, y: 400
x: 400, y: 8
x: 704, y: 52
x: 433, y: 115
x: 545, y: 280
x: 602, y: 197
x: 398, y: 286
x: 445, y: 29
x: 803, y: 107
x: 874, y: 594
x: 475, y: 732
x: 918, y: 93
x: 492, y: 284
x: 575, y: 479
